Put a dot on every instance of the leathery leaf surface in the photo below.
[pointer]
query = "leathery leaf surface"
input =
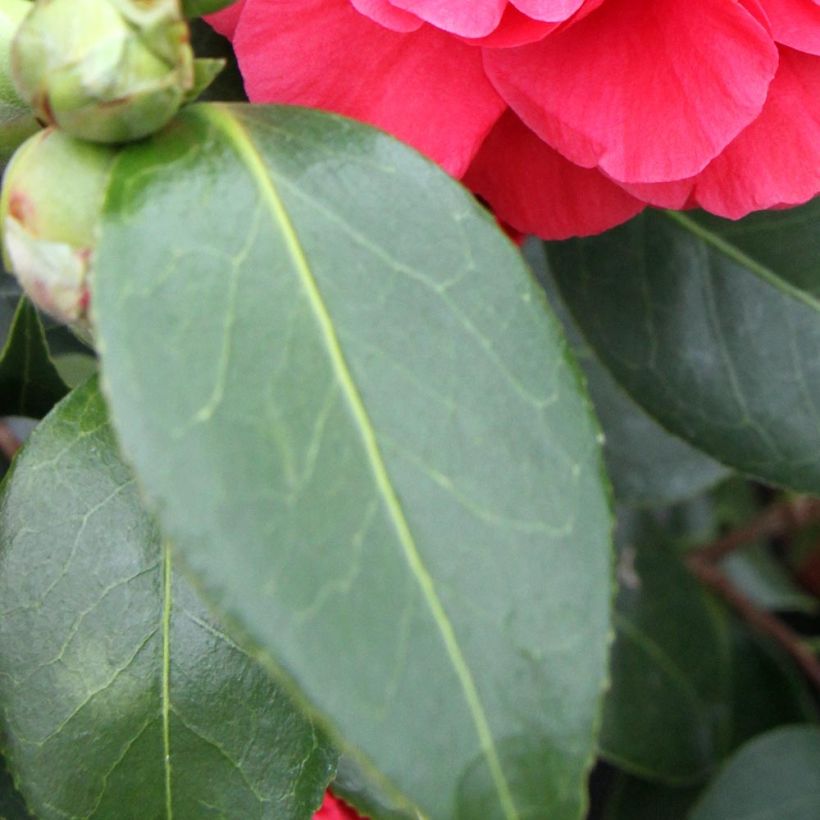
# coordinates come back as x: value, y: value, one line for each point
x: 713, y: 327
x: 121, y: 697
x: 375, y: 453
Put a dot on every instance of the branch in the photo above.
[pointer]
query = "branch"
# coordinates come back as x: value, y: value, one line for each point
x: 775, y: 521
x: 761, y: 620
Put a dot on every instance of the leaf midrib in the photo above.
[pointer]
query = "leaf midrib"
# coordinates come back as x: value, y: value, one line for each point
x: 219, y: 117
x: 737, y: 256
x: 166, y: 676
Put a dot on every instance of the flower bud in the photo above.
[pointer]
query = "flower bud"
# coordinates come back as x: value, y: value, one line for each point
x: 16, y: 119
x: 104, y: 70
x: 53, y: 192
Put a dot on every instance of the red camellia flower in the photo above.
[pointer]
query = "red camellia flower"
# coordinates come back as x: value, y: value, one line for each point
x: 567, y: 116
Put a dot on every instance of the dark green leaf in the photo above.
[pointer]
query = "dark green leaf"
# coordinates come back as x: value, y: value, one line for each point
x: 29, y: 382
x: 228, y: 84
x: 121, y: 697
x: 665, y: 715
x: 774, y: 777
x: 714, y: 327
x: 356, y: 790
x: 647, y: 465
x: 374, y: 452
x: 634, y: 799
x: 12, y: 806
x: 767, y: 689
x: 9, y: 299
x: 194, y: 8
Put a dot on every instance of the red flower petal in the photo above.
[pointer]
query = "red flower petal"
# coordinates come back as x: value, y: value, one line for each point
x: 648, y: 90
x: 795, y: 23
x: 534, y: 189
x: 386, y: 14
x: 515, y: 29
x: 772, y: 163
x: 334, y: 809
x: 551, y: 11
x: 426, y: 87
x: 225, y: 21
x: 469, y: 18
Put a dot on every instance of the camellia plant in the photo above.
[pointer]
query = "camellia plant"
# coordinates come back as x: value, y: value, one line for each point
x: 410, y: 409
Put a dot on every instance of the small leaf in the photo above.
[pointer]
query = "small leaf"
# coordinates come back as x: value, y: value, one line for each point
x: 228, y: 84
x: 664, y: 717
x: 206, y: 70
x: 766, y: 581
x: 375, y: 452
x: 121, y: 696
x: 647, y: 465
x: 773, y: 776
x: 29, y: 383
x: 713, y: 327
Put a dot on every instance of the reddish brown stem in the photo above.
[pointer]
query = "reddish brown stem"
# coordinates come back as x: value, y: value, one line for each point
x: 759, y: 619
x: 777, y: 520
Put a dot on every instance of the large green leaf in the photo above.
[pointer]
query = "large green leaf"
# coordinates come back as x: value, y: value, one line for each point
x: 121, y: 697
x: 713, y: 326
x: 665, y: 716
x: 29, y: 383
x: 774, y: 777
x: 647, y: 465
x: 375, y: 453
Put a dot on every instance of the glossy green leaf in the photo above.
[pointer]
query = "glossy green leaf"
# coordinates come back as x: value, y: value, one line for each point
x: 121, y: 697
x: 29, y: 383
x: 774, y: 777
x: 647, y: 465
x: 665, y: 715
x: 374, y: 453
x: 713, y: 326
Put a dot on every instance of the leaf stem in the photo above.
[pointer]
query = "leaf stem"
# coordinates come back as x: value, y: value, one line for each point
x: 777, y: 520
x: 758, y: 618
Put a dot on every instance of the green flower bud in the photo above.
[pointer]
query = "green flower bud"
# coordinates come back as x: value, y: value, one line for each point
x: 104, y: 70
x: 53, y: 192
x: 16, y: 119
